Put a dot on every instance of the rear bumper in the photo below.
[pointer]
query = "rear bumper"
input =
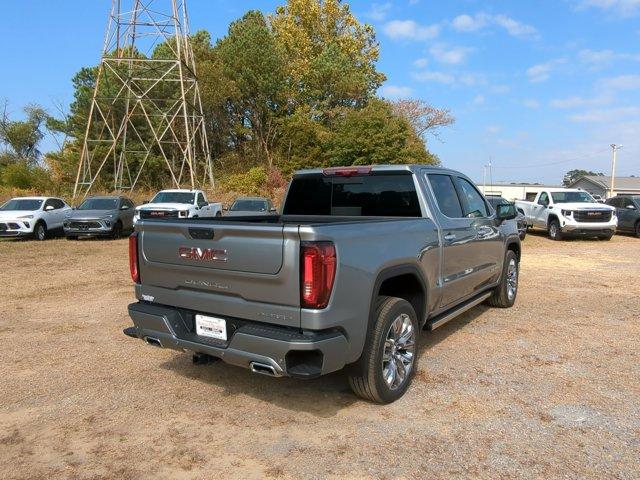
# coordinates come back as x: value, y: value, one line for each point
x: 288, y: 351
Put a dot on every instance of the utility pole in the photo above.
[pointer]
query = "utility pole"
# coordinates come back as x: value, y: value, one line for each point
x: 614, y: 154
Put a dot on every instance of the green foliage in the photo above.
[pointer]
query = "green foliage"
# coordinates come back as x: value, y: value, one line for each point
x: 252, y: 182
x: 293, y: 90
x: 24, y: 176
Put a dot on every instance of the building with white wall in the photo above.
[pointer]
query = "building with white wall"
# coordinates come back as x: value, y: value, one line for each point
x: 513, y: 191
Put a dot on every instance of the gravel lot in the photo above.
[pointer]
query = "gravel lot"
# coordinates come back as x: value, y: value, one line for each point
x: 547, y: 389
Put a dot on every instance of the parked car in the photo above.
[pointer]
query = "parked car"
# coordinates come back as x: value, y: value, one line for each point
x: 566, y: 211
x: 598, y: 198
x: 36, y: 217
x: 361, y: 259
x: 178, y: 204
x: 100, y: 216
x: 628, y: 212
x: 521, y: 221
x: 251, y: 206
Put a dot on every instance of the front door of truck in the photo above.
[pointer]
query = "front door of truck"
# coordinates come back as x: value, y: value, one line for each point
x: 540, y: 214
x: 457, y: 237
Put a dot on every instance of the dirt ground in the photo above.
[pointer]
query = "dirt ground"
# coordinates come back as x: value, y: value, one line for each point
x: 547, y: 389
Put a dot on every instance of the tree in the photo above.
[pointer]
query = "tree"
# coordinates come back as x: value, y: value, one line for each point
x: 424, y: 118
x: 375, y: 135
x: 21, y: 138
x: 574, y: 175
x: 330, y: 56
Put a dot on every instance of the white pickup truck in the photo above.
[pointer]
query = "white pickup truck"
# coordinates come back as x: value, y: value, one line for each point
x: 565, y: 211
x: 178, y: 204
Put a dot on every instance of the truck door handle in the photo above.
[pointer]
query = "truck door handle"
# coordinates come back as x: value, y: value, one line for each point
x: 449, y: 237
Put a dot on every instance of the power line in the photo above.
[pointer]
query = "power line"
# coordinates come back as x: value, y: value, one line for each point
x: 548, y: 164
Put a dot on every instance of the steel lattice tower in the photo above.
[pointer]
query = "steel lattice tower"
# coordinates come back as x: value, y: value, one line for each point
x: 146, y: 107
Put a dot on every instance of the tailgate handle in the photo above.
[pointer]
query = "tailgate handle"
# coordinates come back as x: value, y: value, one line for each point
x: 201, y: 233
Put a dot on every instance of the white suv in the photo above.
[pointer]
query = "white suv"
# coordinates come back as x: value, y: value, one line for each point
x: 35, y: 217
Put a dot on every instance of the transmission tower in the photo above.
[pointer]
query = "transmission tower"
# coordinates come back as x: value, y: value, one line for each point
x: 146, y: 109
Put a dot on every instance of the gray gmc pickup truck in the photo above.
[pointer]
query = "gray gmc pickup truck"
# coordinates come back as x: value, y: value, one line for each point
x: 357, y: 263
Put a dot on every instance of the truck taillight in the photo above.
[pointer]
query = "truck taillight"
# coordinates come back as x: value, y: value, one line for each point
x: 317, y: 272
x: 133, y: 257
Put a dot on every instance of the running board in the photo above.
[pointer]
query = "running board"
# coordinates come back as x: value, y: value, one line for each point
x: 450, y: 315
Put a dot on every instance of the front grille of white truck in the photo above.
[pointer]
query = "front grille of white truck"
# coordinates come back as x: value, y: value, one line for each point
x: 592, y: 216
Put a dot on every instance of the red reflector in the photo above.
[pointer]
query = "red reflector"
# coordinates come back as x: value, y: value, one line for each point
x: 133, y: 258
x: 317, y: 272
x: 346, y: 171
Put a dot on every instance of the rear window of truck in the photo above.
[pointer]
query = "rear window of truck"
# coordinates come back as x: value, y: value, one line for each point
x: 372, y: 195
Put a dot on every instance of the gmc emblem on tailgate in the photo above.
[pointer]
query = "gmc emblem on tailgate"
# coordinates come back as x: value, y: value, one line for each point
x: 202, y: 254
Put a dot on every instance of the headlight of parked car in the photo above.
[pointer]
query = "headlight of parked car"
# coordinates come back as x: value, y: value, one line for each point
x: 26, y: 216
x: 566, y: 213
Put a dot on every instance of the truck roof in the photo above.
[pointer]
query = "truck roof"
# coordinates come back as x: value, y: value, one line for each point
x: 381, y: 168
x: 180, y: 190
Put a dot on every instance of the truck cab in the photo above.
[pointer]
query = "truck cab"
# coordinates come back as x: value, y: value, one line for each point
x: 179, y: 203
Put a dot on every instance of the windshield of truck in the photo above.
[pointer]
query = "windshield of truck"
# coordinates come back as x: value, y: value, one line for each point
x: 174, y: 197
x: 21, y: 205
x: 99, y: 204
x: 374, y: 195
x: 572, y: 197
x: 249, y: 206
x: 495, y: 201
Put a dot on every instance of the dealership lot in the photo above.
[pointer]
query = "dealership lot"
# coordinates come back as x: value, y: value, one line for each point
x: 546, y: 389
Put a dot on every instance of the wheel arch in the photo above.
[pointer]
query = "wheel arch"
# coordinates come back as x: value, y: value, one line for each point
x: 402, y: 281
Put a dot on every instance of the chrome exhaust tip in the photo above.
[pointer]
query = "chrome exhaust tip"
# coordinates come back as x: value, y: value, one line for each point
x: 153, y: 342
x: 264, y: 369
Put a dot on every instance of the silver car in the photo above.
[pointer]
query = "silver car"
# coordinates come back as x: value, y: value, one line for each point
x: 100, y: 216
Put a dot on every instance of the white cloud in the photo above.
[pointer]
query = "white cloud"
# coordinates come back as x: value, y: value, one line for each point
x: 436, y: 77
x: 379, y: 11
x: 606, y: 115
x: 421, y: 63
x: 531, y: 103
x: 479, y: 21
x: 450, y: 56
x: 598, y: 59
x: 622, y: 82
x: 623, y: 8
x: 542, y: 72
x: 479, y: 100
x: 395, y: 91
x: 576, y: 102
x: 410, y: 30
x: 493, y: 129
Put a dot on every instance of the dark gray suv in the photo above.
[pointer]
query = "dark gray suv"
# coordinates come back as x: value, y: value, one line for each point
x: 100, y: 216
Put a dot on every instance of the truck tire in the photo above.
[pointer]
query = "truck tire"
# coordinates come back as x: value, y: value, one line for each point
x: 388, y: 362
x: 40, y: 231
x: 504, y: 295
x: 555, y: 232
x: 637, y: 229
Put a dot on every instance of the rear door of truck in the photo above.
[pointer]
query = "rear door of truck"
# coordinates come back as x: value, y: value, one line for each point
x: 222, y: 267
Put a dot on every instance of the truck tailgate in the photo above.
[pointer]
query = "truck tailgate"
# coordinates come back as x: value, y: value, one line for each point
x: 223, y: 268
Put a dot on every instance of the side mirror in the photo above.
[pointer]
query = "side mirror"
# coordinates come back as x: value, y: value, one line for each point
x: 48, y: 208
x: 225, y: 208
x: 203, y: 204
x: 506, y: 211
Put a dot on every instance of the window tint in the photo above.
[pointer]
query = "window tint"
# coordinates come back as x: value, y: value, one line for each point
x: 474, y: 204
x: 530, y: 196
x: 544, y: 199
x: 200, y: 199
x: 128, y: 203
x: 375, y: 195
x: 446, y: 195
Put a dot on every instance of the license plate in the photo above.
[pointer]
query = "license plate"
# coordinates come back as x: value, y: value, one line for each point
x: 211, y: 327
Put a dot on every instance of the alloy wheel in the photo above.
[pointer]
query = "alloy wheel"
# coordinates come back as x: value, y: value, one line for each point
x: 512, y: 279
x: 399, y: 352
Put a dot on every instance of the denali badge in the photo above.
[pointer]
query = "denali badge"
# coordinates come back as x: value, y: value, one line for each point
x: 203, y: 254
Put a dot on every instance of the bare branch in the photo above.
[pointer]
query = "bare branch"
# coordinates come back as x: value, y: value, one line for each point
x: 424, y: 118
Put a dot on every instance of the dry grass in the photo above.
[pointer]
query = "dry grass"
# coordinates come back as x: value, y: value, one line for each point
x: 547, y: 389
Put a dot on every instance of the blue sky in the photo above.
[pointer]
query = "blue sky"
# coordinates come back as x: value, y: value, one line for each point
x: 539, y: 87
